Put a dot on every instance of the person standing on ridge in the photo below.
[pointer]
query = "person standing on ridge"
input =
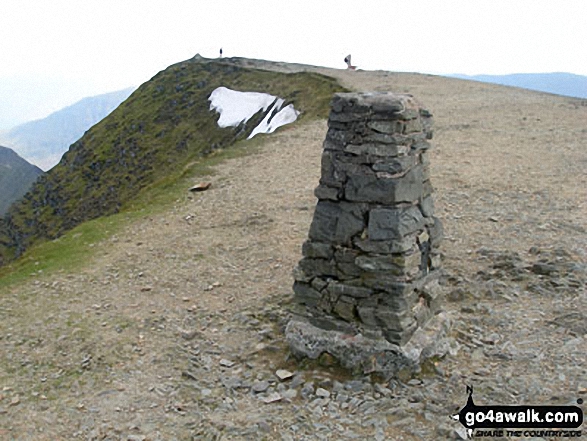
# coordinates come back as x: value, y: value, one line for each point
x: 347, y: 60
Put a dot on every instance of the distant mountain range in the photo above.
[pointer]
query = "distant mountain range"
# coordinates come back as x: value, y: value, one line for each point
x: 16, y: 177
x: 43, y: 142
x: 558, y: 83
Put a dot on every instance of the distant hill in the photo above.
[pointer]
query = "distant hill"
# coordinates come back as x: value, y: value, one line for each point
x: 16, y: 177
x: 558, y: 83
x: 152, y: 137
x: 43, y: 142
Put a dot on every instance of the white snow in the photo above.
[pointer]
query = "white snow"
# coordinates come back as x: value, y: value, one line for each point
x: 238, y: 107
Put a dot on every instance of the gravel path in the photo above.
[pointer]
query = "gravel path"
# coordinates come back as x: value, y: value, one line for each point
x: 175, y: 329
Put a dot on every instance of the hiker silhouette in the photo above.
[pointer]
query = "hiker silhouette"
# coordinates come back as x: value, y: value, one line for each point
x: 347, y: 60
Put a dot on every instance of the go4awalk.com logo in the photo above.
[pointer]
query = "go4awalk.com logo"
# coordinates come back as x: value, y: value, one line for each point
x: 520, y: 421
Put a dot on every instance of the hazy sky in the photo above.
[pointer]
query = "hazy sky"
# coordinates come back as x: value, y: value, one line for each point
x: 56, y: 52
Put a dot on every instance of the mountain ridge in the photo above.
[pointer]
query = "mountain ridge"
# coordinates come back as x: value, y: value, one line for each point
x: 164, y: 126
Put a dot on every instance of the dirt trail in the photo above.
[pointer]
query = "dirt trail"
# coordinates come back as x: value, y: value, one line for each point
x: 173, y: 330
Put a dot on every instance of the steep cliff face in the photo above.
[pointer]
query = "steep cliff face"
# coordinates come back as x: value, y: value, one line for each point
x: 164, y: 125
x: 16, y: 177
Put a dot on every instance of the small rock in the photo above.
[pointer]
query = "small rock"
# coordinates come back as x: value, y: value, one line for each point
x: 307, y: 390
x: 297, y: 381
x: 342, y: 398
x: 354, y: 385
x: 290, y: 394
x: 202, y: 186
x: 337, y: 387
x: 272, y: 398
x: 206, y: 392
x: 283, y: 374
x: 382, y: 390
x: 227, y: 363
x: 260, y: 386
x: 322, y: 393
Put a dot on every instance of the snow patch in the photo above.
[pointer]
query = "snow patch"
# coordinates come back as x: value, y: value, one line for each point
x: 237, y: 107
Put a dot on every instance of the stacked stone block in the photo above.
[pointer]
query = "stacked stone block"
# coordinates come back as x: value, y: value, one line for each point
x: 371, y: 261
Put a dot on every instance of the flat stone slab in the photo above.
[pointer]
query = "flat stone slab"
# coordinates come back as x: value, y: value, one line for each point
x: 366, y: 355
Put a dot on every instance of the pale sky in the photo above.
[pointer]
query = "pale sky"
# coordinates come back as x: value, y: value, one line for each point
x: 56, y: 52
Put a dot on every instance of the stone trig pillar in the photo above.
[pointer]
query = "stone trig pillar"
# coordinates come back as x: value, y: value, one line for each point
x: 367, y: 287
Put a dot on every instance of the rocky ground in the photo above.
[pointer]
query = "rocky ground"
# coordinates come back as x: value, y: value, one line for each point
x: 174, y: 331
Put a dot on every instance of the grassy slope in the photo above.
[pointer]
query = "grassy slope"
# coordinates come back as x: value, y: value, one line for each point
x: 148, y: 142
x: 137, y: 160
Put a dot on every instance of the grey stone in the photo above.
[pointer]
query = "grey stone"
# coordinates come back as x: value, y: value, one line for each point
x: 290, y: 394
x: 305, y: 294
x: 395, y: 246
x: 317, y: 267
x: 284, y: 374
x: 260, y: 386
x: 317, y: 250
x: 407, y: 188
x: 394, y: 223
x: 347, y: 271
x: 332, y: 323
x: 273, y: 397
x: 322, y: 393
x: 345, y: 308
x: 412, y: 126
x: 307, y: 389
x: 327, y: 193
x: 342, y: 289
x: 343, y: 137
x: 427, y: 189
x: 392, y: 264
x: 227, y: 363
x: 436, y: 232
x: 337, y: 223
x: 346, y: 117
x: 427, y: 206
x: 392, y: 320
x: 329, y: 175
x: 388, y: 126
x: 378, y: 149
x: 367, y: 315
x: 370, y: 355
x: 318, y: 284
x: 420, y: 146
x: 345, y: 254
x: 396, y: 165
